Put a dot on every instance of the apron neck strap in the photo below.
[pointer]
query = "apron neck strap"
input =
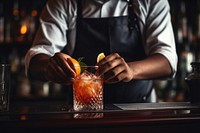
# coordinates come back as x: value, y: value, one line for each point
x: 132, y: 17
x: 79, y: 9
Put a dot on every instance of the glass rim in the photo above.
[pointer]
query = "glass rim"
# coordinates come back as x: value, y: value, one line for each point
x: 88, y: 66
x: 88, y: 79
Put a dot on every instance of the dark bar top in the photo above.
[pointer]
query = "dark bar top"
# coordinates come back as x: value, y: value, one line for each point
x: 57, y: 116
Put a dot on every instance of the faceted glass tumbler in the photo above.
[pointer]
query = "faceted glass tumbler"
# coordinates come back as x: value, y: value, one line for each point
x: 88, y: 90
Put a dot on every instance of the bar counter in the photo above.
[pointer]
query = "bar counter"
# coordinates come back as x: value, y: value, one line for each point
x: 56, y: 116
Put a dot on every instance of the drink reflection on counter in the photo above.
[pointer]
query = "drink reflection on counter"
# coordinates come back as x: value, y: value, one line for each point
x: 88, y: 115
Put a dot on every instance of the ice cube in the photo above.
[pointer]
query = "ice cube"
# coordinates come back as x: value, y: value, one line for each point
x: 87, y: 75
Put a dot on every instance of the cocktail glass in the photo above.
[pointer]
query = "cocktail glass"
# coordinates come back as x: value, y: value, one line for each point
x: 88, y: 90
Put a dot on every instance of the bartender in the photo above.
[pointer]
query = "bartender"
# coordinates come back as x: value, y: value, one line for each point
x: 135, y: 35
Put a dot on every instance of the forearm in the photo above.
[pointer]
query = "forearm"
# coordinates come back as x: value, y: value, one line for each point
x: 37, y: 67
x: 155, y: 66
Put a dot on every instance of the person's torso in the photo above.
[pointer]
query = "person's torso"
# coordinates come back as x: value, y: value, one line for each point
x: 112, y: 35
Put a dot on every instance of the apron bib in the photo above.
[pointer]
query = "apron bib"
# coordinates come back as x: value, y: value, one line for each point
x: 113, y: 35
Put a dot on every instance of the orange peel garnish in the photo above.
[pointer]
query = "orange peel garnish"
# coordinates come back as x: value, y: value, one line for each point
x: 100, y: 57
x: 75, y: 65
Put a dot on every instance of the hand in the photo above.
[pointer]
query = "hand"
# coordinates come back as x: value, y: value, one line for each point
x: 59, y: 70
x: 114, y: 69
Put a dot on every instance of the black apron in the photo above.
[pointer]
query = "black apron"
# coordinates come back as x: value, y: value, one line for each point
x: 113, y: 35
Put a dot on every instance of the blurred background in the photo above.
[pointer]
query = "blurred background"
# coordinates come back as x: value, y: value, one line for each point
x: 18, y: 25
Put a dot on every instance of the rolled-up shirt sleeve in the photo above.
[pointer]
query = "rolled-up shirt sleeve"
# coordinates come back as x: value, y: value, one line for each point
x: 51, y: 35
x: 157, y: 31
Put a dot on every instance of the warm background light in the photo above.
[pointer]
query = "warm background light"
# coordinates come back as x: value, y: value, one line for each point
x: 23, y: 29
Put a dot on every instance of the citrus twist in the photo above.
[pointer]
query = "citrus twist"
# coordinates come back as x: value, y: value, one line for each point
x: 75, y: 65
x: 100, y: 57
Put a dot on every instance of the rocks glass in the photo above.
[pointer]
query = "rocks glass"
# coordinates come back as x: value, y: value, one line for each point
x: 88, y: 90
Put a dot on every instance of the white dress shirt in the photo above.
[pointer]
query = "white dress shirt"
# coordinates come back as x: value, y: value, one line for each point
x: 58, y: 26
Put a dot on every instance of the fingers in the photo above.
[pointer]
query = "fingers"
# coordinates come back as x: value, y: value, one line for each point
x: 109, y: 62
x: 61, y: 60
x: 114, y: 69
x: 58, y: 70
x: 55, y: 75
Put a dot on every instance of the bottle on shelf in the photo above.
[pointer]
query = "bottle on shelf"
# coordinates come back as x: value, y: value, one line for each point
x: 33, y: 21
x: 193, y: 82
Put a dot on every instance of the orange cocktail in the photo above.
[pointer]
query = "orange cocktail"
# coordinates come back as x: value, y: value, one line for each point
x: 88, y: 90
